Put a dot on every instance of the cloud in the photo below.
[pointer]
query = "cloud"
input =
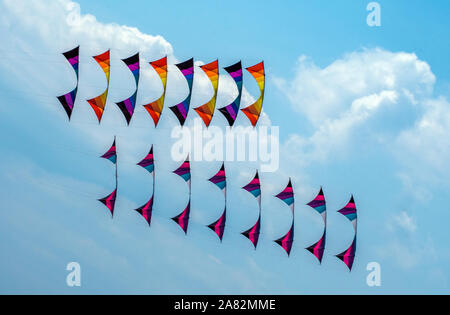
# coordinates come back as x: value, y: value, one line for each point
x: 404, y: 221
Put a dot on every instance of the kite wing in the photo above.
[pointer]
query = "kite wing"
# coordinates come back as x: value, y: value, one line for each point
x: 181, y: 110
x: 253, y: 111
x: 68, y: 100
x: 318, y: 248
x: 219, y: 179
x: 183, y: 218
x: 98, y: 103
x: 110, y: 201
x: 219, y: 226
x: 147, y: 162
x: 319, y: 204
x: 253, y: 233
x: 287, y: 195
x: 287, y: 240
x: 155, y: 108
x: 230, y: 111
x: 349, y: 211
x: 184, y: 171
x: 146, y: 210
x: 254, y: 187
x: 348, y: 256
x: 127, y: 106
x: 111, y: 154
x: 206, y: 111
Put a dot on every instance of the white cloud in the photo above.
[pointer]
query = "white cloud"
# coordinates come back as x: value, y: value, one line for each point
x: 404, y: 221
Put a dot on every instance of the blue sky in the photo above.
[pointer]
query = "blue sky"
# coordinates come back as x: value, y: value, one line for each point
x: 361, y: 110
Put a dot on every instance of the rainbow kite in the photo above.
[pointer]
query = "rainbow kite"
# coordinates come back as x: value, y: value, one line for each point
x: 98, y: 103
x: 148, y: 164
x: 181, y: 110
x: 68, y: 100
x: 127, y: 106
x: 319, y: 205
x: 206, y: 111
x: 287, y: 195
x: 349, y: 211
x: 253, y: 111
x: 110, y: 200
x: 184, y: 171
x: 220, y: 180
x: 254, y: 187
x: 230, y: 111
x: 155, y: 108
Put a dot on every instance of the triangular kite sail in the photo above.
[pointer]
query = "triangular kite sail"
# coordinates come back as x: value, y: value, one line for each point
x: 206, y: 111
x: 230, y: 111
x: 219, y: 226
x: 146, y: 211
x: 98, y: 103
x: 349, y: 211
x: 111, y: 154
x: 110, y: 200
x: 219, y: 179
x: 254, y: 187
x: 68, y: 100
x: 127, y: 106
x: 319, y: 204
x: 181, y: 110
x: 148, y: 164
x: 184, y: 171
x: 155, y: 108
x: 183, y: 218
x: 287, y: 195
x: 254, y: 111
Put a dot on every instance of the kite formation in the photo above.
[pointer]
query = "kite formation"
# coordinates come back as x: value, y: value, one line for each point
x: 180, y: 110
x: 254, y: 187
x: 206, y: 112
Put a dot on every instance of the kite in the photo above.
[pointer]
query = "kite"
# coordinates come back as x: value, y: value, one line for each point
x: 184, y: 171
x: 230, y: 111
x: 287, y: 195
x: 98, y: 103
x: 127, y: 106
x: 155, y: 108
x: 319, y: 205
x: 206, y: 111
x: 254, y: 187
x: 181, y: 110
x: 348, y: 255
x: 68, y: 100
x: 148, y: 164
x: 253, y: 111
x: 110, y: 200
x: 220, y: 181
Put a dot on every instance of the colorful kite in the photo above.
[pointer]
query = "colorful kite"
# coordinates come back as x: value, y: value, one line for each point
x: 253, y: 111
x: 148, y: 164
x: 127, y: 106
x: 254, y: 187
x: 155, y: 108
x: 184, y: 171
x: 287, y: 195
x: 220, y: 181
x: 98, y: 103
x: 68, y: 100
x: 206, y: 111
x: 181, y: 110
x: 230, y: 111
x: 219, y: 226
x: 110, y: 200
x: 319, y: 205
x: 349, y: 211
